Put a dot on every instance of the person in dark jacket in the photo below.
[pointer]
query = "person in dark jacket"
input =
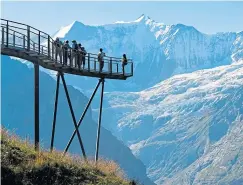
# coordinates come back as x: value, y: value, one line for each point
x: 79, y: 55
x: 74, y: 53
x: 66, y: 52
x: 83, y: 51
x: 124, y: 62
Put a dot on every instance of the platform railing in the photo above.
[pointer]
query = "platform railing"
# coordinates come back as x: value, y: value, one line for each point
x: 24, y: 37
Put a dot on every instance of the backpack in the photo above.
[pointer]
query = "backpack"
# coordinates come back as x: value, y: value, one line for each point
x: 83, y: 51
x: 58, y: 44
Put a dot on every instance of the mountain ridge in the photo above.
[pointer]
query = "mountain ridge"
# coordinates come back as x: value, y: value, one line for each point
x: 159, y: 51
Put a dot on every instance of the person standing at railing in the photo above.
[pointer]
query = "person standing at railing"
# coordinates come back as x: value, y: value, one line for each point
x: 83, y: 52
x: 74, y: 53
x: 79, y: 55
x: 66, y: 53
x: 124, y: 62
x: 58, y: 49
x: 101, y: 56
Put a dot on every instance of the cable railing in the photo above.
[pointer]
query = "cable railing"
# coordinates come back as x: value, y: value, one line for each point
x: 24, y: 37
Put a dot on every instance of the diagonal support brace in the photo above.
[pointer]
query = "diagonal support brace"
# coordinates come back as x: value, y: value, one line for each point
x: 82, y: 117
x: 73, y: 116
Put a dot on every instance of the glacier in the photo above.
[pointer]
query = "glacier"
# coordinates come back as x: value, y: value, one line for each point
x: 181, y: 123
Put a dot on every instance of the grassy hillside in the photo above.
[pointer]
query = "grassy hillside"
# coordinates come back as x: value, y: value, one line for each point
x: 22, y: 165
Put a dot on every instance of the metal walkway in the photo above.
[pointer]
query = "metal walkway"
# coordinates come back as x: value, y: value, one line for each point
x: 25, y: 42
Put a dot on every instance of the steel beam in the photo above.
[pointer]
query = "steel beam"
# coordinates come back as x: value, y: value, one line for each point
x: 48, y: 46
x: 36, y: 105
x: 7, y: 34
x: 39, y: 42
x: 14, y: 38
x: 2, y: 35
x: 28, y: 38
x: 55, y: 112
x: 99, y: 122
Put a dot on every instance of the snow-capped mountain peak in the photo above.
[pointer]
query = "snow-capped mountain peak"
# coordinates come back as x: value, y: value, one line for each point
x: 143, y: 17
x: 75, y: 25
x: 159, y: 51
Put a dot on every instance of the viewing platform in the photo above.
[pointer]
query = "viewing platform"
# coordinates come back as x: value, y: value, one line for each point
x: 28, y: 43
x: 25, y: 42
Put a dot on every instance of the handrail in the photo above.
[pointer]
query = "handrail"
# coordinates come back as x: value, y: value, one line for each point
x: 43, y: 43
x: 32, y: 42
x: 13, y: 26
x: 23, y: 25
x: 22, y: 34
x: 48, y: 34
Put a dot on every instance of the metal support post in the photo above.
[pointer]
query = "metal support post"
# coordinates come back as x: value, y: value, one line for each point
x: 28, y: 38
x: 7, y: 34
x: 2, y: 36
x: 48, y: 46
x: 24, y: 41
x: 99, y: 123
x: 39, y: 42
x: 110, y: 66
x: 55, y: 112
x: 89, y: 62
x: 36, y: 105
x: 14, y: 39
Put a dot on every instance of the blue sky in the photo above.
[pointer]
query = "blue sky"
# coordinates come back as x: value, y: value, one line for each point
x: 208, y: 17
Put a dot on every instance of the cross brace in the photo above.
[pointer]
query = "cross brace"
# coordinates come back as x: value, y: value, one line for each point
x: 101, y: 81
x: 59, y: 74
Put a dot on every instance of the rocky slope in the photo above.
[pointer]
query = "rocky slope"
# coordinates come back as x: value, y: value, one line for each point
x: 21, y: 164
x: 221, y: 165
